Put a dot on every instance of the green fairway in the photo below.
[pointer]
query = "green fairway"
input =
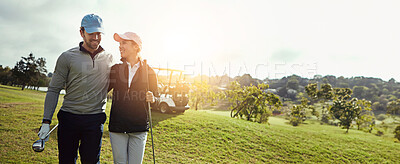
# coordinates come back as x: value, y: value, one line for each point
x: 203, y: 136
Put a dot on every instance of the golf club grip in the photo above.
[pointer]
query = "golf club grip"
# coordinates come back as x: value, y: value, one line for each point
x: 147, y: 74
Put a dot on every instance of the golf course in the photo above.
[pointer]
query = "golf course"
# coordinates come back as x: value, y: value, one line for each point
x: 203, y: 136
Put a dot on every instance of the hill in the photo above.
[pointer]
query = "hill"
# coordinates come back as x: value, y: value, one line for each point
x: 199, y: 137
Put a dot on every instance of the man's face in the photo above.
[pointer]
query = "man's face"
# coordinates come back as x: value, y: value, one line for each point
x: 91, y: 40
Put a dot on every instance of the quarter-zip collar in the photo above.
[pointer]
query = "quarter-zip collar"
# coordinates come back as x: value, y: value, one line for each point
x: 92, y: 55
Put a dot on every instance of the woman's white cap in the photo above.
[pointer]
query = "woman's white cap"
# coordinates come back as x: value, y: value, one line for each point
x: 128, y: 36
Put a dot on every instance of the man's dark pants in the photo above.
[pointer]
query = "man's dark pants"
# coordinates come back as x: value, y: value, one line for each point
x: 72, y: 128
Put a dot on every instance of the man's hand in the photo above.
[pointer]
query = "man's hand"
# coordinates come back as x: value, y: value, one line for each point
x: 150, y: 97
x: 44, y: 129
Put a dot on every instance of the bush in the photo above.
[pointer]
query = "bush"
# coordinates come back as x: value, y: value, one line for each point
x: 263, y: 118
x: 251, y: 102
x: 379, y: 133
x: 381, y: 117
x: 295, y: 121
x: 297, y: 116
x: 397, y: 132
x: 325, y: 118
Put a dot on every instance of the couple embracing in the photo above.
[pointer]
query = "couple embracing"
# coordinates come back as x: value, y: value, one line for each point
x: 88, y: 74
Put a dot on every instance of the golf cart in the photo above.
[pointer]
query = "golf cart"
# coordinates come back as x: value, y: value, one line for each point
x: 173, y: 97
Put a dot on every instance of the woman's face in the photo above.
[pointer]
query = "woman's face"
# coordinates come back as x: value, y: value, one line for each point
x: 128, y: 48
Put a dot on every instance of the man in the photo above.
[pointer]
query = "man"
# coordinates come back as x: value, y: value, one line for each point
x: 84, y: 71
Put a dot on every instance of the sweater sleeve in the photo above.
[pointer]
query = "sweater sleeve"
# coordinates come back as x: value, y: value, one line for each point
x: 153, y: 81
x: 57, y: 83
x: 153, y: 84
x: 113, y: 78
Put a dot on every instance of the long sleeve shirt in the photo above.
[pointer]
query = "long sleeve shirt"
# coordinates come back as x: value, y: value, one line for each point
x: 85, y: 77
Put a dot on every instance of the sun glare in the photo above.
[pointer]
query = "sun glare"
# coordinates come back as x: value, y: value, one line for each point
x: 177, y: 45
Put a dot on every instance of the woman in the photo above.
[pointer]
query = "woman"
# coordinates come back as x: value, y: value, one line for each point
x: 129, y: 121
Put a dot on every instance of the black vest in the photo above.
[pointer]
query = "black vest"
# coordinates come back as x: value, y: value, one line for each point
x: 129, y: 111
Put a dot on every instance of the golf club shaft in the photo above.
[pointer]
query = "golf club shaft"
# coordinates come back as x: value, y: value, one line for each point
x: 151, y: 132
x: 38, y: 146
x: 51, y: 130
x: 148, y: 105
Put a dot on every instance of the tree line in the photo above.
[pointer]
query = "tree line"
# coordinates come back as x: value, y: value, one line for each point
x: 291, y: 89
x: 376, y: 90
x: 29, y: 71
x: 344, y: 102
x: 382, y: 94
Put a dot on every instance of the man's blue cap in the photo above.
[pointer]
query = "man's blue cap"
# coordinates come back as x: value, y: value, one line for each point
x: 92, y: 23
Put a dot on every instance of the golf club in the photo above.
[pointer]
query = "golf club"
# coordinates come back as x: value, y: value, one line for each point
x: 148, y: 105
x: 38, y: 146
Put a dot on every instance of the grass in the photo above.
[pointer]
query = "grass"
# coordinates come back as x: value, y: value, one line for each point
x: 203, y: 136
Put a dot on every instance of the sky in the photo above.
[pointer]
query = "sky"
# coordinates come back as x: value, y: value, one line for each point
x: 266, y: 39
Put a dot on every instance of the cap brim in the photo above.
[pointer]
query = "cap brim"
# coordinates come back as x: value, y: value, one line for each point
x: 120, y: 37
x: 92, y: 30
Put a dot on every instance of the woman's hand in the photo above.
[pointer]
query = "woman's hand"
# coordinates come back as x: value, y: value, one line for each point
x: 150, y: 97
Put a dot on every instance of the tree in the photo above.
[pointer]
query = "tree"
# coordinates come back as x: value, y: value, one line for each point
x: 342, y: 93
x: 293, y: 83
x: 393, y: 107
x: 323, y: 95
x: 311, y: 90
x: 201, y: 93
x: 297, y: 115
x: 251, y: 102
x: 19, y: 75
x: 347, y: 109
x: 383, y: 102
x: 298, y: 112
x: 342, y: 108
x: 273, y: 101
x: 247, y: 80
x: 5, y: 75
x: 364, y: 116
x: 344, y: 112
x: 377, y: 106
x: 358, y: 91
x: 234, y: 94
x: 39, y: 72
x: 282, y: 91
x: 29, y: 71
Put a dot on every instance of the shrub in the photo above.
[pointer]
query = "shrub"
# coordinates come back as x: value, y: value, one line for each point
x: 298, y: 112
x: 397, y: 132
x: 295, y: 121
x: 379, y: 133
x: 325, y: 118
x: 263, y: 118
x: 381, y: 117
x: 251, y: 102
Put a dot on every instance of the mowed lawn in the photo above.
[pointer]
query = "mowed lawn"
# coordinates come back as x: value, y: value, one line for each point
x: 199, y: 137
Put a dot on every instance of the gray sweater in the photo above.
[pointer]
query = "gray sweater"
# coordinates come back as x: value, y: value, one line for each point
x: 85, y: 79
